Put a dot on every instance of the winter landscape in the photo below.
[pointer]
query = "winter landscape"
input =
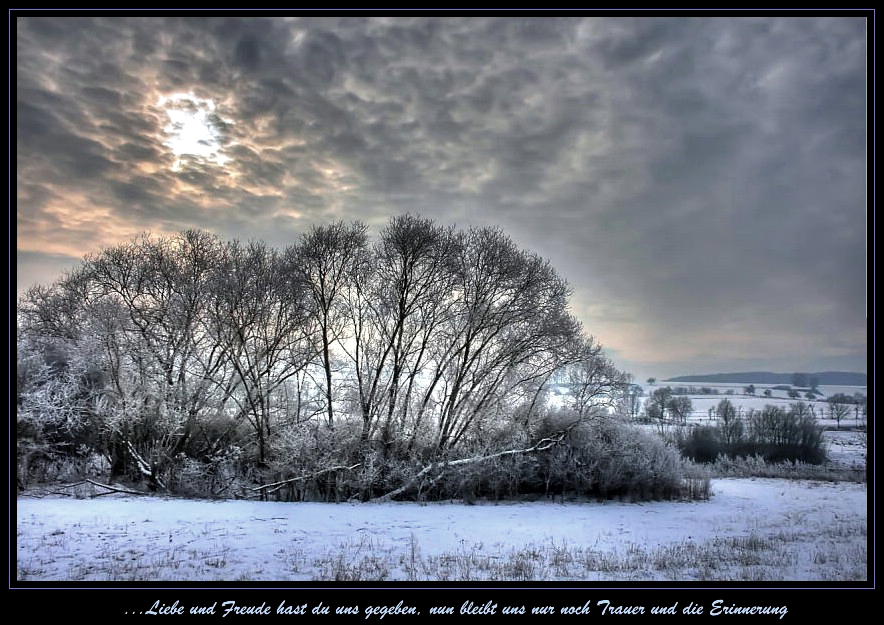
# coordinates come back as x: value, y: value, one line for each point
x: 750, y: 529
x: 441, y: 300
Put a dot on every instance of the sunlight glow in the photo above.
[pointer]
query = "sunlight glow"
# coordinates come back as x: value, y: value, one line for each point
x: 193, y: 130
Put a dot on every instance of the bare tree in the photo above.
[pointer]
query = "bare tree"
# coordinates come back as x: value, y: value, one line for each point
x: 859, y: 405
x: 147, y: 303
x: 510, y: 315
x: 398, y: 299
x: 327, y: 258
x: 630, y: 398
x: 429, y: 345
x: 593, y: 380
x: 801, y: 410
x: 658, y: 404
x: 729, y: 424
x: 839, y: 408
x: 262, y: 324
x: 680, y: 408
x: 412, y: 294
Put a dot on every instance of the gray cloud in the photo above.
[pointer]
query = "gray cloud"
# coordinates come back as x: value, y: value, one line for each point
x: 699, y: 181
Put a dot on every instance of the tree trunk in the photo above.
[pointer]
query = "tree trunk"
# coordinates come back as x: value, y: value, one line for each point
x: 326, y: 362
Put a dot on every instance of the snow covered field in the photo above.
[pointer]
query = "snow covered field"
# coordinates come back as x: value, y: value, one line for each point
x: 751, y: 529
x: 722, y: 388
x: 743, y: 402
x: 846, y: 449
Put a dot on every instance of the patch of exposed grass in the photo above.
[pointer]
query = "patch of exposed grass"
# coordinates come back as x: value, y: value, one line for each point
x: 836, y: 552
x: 756, y: 466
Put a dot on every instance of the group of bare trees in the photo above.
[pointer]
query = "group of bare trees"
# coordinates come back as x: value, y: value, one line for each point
x: 189, y: 356
x: 663, y: 406
x: 775, y: 433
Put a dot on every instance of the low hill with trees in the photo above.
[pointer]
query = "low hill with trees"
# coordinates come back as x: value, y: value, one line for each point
x: 831, y: 378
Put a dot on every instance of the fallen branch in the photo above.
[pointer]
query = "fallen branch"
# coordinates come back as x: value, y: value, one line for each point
x: 144, y: 467
x: 53, y: 492
x: 109, y: 492
x: 229, y: 483
x: 541, y: 445
x: 69, y: 485
x: 115, y: 489
x: 275, y: 486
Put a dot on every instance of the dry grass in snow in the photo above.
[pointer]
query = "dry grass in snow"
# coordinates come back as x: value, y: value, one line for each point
x: 751, y: 529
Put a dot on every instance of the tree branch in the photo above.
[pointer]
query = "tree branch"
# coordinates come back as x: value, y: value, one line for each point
x: 541, y: 445
x: 114, y: 488
x: 277, y: 485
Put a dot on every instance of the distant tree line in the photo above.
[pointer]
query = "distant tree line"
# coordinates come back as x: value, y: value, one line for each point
x: 801, y: 380
x: 336, y: 367
x: 694, y: 390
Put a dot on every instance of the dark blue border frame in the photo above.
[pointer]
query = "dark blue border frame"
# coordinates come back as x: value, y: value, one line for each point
x: 723, y: 589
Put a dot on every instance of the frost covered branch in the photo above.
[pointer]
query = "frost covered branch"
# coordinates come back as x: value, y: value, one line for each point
x: 541, y: 445
x: 275, y: 486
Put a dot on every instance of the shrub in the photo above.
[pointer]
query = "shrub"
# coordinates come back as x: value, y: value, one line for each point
x: 601, y: 458
x: 702, y: 444
x: 777, y: 435
x: 774, y: 434
x: 608, y: 459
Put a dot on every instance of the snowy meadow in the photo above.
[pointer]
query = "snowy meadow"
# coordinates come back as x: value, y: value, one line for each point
x: 750, y: 530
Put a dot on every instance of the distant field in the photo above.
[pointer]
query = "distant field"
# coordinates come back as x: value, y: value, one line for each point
x: 738, y: 388
x: 846, y: 449
x: 702, y: 402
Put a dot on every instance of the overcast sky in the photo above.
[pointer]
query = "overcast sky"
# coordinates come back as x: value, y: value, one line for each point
x: 700, y: 182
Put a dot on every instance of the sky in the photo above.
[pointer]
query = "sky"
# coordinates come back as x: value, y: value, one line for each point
x: 700, y: 182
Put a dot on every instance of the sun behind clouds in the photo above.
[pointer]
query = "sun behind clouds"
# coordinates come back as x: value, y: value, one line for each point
x: 193, y: 130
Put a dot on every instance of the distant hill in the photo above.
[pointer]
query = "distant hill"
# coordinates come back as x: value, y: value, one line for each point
x: 831, y: 378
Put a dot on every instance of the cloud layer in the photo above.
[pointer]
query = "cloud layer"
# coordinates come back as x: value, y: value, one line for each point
x: 700, y: 182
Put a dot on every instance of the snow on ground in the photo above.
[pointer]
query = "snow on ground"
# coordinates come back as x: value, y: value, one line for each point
x: 810, y: 524
x: 846, y: 449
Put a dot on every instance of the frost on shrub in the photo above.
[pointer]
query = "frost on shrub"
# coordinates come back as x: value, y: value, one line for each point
x: 213, y: 475
x: 702, y: 444
x: 608, y: 459
x: 53, y: 430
